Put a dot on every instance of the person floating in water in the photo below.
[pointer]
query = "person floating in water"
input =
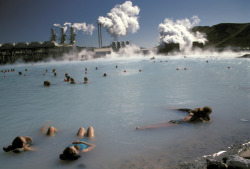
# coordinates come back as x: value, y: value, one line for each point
x: 194, y: 116
x: 72, y: 152
x: 19, y: 144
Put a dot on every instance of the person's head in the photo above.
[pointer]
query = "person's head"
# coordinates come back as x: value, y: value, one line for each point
x: 207, y: 110
x: 70, y: 153
x: 18, y: 142
x: 86, y: 80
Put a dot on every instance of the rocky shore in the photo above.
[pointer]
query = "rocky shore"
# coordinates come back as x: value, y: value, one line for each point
x: 235, y: 157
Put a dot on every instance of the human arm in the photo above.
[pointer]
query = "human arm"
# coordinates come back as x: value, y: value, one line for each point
x: 90, y: 146
x: 182, y: 109
x: 160, y: 125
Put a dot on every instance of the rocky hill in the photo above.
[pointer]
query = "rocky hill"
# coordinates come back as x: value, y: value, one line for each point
x: 226, y: 35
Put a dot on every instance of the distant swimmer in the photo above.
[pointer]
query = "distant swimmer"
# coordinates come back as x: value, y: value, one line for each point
x: 86, y: 80
x: 104, y: 75
x: 19, y: 144
x: 72, y: 80
x: 196, y: 115
x: 46, y: 83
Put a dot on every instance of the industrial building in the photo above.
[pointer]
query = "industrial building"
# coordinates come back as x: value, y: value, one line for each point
x: 169, y: 47
x: 38, y: 51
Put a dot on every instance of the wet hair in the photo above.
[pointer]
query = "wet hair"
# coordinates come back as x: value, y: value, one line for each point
x: 18, y: 142
x: 69, y: 153
x: 207, y: 109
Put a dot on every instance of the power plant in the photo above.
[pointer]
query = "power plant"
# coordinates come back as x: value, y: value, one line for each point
x: 37, y: 51
x: 41, y: 51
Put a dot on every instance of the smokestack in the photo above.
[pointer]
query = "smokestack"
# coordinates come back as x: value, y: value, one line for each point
x: 113, y: 46
x: 53, y: 35
x: 123, y: 44
x: 72, y: 36
x: 100, y: 35
x: 63, y: 37
x: 118, y: 45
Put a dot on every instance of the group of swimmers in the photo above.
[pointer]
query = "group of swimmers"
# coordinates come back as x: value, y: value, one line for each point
x: 71, y: 152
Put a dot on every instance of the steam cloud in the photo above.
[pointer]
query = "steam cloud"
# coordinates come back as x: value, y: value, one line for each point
x: 78, y: 26
x: 180, y: 32
x: 121, y: 20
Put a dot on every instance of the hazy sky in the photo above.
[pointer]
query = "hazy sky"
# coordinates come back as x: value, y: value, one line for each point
x: 31, y: 20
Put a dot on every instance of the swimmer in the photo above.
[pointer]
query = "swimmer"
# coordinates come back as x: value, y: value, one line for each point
x: 46, y: 83
x: 104, y: 75
x: 66, y: 74
x: 86, y: 80
x: 72, y: 151
x: 20, y: 143
x: 194, y: 116
x: 72, y: 80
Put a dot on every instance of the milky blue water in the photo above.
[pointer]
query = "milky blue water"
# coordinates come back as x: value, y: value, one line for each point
x: 116, y: 104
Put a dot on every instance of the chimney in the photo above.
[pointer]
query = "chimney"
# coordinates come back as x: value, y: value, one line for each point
x: 100, y: 35
x: 72, y: 36
x: 63, y: 37
x: 53, y: 35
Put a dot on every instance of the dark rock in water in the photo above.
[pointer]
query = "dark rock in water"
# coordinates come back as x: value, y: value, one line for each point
x: 46, y: 83
x: 235, y: 157
x: 245, y: 56
x: 213, y: 164
x: 245, y: 154
x: 237, y: 162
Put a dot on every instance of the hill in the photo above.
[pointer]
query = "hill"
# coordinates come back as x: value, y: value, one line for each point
x: 226, y: 34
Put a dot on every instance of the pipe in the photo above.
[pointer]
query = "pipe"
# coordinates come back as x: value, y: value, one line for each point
x: 101, y: 34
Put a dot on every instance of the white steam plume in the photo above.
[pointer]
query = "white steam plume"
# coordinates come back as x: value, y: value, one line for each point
x: 179, y: 31
x: 121, y: 20
x: 58, y: 25
x: 86, y: 28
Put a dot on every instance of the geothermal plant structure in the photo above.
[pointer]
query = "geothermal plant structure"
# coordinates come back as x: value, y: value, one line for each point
x: 37, y: 51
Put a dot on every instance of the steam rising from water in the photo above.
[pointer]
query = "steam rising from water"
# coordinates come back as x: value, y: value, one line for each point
x: 179, y: 31
x: 121, y: 20
x: 86, y: 28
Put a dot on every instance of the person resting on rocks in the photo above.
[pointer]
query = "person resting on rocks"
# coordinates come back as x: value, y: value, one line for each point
x: 196, y: 115
x: 19, y: 144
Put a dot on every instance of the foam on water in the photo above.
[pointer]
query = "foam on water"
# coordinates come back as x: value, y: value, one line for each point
x: 116, y: 104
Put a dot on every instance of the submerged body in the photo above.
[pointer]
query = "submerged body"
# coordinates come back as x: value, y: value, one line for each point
x: 196, y: 115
